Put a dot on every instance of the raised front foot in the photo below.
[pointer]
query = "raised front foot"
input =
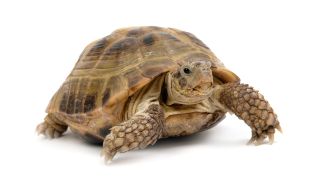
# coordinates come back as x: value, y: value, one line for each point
x: 249, y: 105
x: 51, y: 127
x: 137, y: 133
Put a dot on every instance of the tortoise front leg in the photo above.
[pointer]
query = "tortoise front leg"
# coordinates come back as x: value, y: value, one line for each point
x: 138, y: 132
x: 249, y: 105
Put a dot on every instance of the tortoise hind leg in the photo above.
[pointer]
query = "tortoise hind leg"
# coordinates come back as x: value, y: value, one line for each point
x: 52, y: 127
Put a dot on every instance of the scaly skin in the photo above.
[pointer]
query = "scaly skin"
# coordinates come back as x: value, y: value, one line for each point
x: 137, y: 133
x: 249, y: 105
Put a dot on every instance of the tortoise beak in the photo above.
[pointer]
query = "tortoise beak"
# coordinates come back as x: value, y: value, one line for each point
x: 224, y: 75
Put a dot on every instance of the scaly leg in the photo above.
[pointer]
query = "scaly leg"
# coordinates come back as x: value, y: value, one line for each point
x: 52, y: 127
x: 249, y: 105
x: 138, y: 132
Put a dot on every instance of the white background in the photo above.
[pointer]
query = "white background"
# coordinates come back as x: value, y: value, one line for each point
x: 273, y: 45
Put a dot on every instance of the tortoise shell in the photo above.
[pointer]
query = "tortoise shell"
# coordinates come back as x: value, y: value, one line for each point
x: 111, y: 69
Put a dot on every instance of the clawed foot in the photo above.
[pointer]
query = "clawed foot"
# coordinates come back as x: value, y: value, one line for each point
x: 52, y: 127
x: 110, y: 147
x: 258, y: 137
x: 136, y: 133
x: 249, y: 105
x: 128, y: 136
x: 48, y: 131
x: 119, y: 141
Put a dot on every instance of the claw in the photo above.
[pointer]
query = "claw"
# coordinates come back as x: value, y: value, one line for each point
x: 271, y: 138
x: 107, y: 156
x: 102, y: 153
x: 49, y: 132
x: 259, y: 141
x: 40, y: 129
x: 56, y: 134
x: 278, y: 127
x: 108, y: 161
x: 253, y: 138
x: 250, y: 141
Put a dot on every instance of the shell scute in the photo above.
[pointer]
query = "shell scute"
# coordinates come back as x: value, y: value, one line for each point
x: 122, y: 45
x: 154, y: 68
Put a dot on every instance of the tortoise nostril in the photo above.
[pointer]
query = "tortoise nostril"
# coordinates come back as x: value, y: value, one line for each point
x: 182, y: 82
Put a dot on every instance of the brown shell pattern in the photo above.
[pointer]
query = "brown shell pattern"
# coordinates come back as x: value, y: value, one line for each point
x: 112, y: 68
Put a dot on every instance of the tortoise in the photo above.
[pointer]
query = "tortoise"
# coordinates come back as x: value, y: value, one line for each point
x: 140, y: 84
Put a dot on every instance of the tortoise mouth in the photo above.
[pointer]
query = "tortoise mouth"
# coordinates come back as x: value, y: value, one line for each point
x: 201, y: 90
x: 203, y: 87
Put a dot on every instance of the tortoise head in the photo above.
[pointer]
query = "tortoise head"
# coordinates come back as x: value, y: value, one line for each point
x: 195, y: 81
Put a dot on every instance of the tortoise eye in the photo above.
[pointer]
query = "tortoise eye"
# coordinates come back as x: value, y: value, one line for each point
x: 187, y: 70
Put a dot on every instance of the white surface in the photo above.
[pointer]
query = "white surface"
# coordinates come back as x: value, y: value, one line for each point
x: 273, y: 45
